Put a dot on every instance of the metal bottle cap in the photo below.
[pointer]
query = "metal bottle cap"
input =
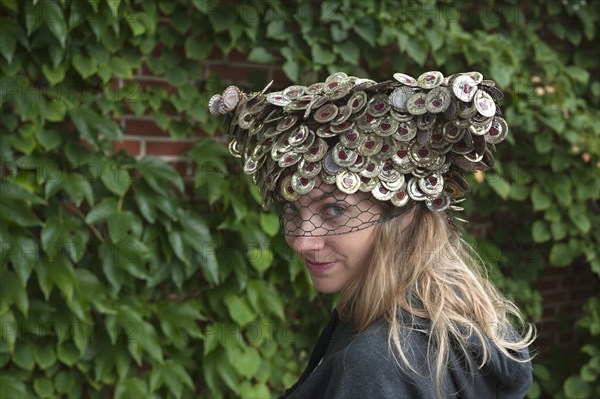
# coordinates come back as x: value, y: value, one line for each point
x: 405, y: 79
x: 344, y: 113
x: 348, y: 182
x: 278, y: 98
x: 388, y: 148
x: 387, y: 126
x: 400, y: 198
x: 451, y: 133
x: 431, y: 79
x: 406, y: 131
x: 358, y: 165
x: 298, y: 135
x: 399, y: 97
x: 342, y: 127
x: 421, y: 156
x: 326, y: 177
x: 413, y: 190
x: 309, y: 169
x: 343, y: 156
x: 484, y: 103
x: 352, y: 138
x: 498, y: 131
x: 316, y: 151
x: 371, y: 145
x: 432, y: 184
x: 372, y: 167
x: 286, y: 190
x: 287, y: 122
x: 326, y: 113
x: 357, y: 101
x: 464, y: 87
x: 378, y: 105
x: 289, y: 159
x: 382, y: 193
x: 416, y: 104
x: 438, y: 204
x: 438, y: 100
x: 368, y: 123
x: 302, y: 185
x: 367, y: 184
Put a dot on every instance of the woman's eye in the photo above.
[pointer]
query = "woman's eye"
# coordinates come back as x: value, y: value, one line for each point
x: 332, y: 211
x: 289, y: 209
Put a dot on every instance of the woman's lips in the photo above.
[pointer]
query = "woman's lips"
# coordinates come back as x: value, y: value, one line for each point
x: 318, y: 266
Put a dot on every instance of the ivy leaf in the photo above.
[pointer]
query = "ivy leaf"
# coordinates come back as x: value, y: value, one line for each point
x: 44, y: 356
x: 102, y: 211
x: 23, y: 357
x: 540, y: 200
x: 561, y: 255
x: 260, y: 258
x: 131, y: 388
x: 116, y: 178
x: 85, y: 66
x: 239, y: 310
x: 349, y: 52
x: 539, y: 232
x: 322, y: 55
x: 56, y: 21
x: 197, y: 48
x: 500, y: 186
x: 260, y: 55
x: 578, y: 215
x: 8, y: 39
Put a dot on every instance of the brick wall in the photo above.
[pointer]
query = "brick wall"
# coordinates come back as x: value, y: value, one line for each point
x: 564, y: 290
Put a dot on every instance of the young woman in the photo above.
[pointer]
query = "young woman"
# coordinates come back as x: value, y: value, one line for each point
x: 365, y: 176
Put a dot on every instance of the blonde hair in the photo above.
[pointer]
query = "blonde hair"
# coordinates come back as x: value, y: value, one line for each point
x: 428, y: 271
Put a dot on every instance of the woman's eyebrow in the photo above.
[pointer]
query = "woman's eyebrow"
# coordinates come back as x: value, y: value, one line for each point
x: 326, y: 195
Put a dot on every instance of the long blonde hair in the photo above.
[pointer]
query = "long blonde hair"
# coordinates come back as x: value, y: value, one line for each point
x: 429, y: 271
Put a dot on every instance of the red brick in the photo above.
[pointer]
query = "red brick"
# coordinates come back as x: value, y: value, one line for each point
x: 548, y: 284
x: 167, y: 147
x: 568, y: 282
x: 143, y: 128
x: 132, y: 147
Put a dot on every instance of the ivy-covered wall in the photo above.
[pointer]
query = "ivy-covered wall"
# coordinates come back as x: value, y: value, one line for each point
x: 122, y: 279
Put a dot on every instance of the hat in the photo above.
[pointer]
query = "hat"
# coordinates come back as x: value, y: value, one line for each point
x: 401, y: 141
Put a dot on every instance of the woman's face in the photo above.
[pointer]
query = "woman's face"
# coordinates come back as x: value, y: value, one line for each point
x: 333, y: 233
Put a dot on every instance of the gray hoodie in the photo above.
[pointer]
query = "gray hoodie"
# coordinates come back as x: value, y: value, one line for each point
x: 349, y: 365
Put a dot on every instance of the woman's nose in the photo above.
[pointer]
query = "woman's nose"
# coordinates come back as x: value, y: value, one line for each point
x: 306, y: 244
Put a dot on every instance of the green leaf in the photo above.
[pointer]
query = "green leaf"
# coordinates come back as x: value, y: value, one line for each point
x: 321, y: 55
x: 18, y: 214
x: 499, y: 185
x: 561, y: 255
x: 177, y: 76
x: 49, y: 139
x: 269, y: 222
x: 44, y: 387
x: 247, y: 362
x: 575, y: 387
x: 68, y: 354
x: 349, y: 52
x: 178, y: 246
x: 85, y: 66
x: 44, y: 356
x: 78, y: 188
x: 260, y: 55
x: 159, y: 174
x: 578, y: 216
x: 119, y: 224
x: 23, y: 357
x: 102, y: 211
x: 239, y: 310
x: 559, y: 230
x: 260, y: 258
x: 539, y: 232
x: 12, y: 388
x: 8, y: 39
x: 56, y: 21
x: 116, y: 178
x: 540, y: 200
x: 63, y: 275
x: 197, y: 47
x: 131, y: 388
